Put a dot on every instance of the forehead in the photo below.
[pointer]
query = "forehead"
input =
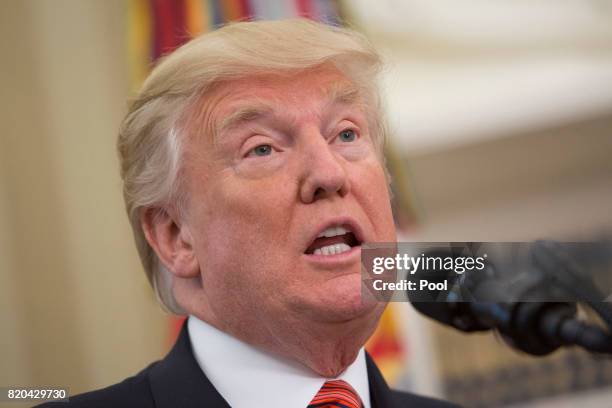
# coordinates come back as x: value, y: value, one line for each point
x: 246, y: 98
x: 320, y: 82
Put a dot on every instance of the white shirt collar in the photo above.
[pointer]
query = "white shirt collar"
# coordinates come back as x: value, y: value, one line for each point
x: 249, y: 377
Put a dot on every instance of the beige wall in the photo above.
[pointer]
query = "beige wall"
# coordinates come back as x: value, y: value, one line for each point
x: 550, y: 183
x: 75, y: 307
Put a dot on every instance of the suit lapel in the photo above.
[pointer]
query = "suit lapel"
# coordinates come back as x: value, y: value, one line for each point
x: 178, y: 380
x: 381, y: 395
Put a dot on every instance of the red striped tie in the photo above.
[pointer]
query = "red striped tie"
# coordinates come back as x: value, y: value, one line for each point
x: 334, y: 394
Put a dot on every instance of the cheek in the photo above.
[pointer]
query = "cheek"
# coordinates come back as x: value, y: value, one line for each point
x: 245, y: 224
x: 371, y: 187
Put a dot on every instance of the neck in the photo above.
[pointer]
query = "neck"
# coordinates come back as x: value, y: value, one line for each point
x: 325, y: 347
x: 332, y: 349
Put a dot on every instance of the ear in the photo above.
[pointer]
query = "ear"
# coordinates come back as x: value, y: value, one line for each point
x: 171, y: 241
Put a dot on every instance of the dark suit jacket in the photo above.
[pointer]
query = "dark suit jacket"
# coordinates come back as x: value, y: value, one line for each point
x: 177, y: 381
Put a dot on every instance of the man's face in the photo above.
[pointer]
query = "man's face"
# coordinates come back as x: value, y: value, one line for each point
x: 291, y: 159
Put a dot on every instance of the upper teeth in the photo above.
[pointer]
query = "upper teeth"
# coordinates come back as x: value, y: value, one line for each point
x: 333, y: 232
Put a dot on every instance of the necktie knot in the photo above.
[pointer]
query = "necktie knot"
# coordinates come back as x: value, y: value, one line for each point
x: 336, y: 394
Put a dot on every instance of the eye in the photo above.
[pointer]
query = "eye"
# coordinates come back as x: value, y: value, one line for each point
x: 347, y: 135
x: 261, y: 150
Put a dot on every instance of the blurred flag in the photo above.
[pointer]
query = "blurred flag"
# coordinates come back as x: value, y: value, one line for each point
x: 157, y: 27
x: 387, y: 346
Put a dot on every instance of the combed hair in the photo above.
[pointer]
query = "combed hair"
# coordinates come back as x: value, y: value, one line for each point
x: 157, y: 123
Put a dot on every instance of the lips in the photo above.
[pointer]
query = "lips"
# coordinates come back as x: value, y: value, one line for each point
x: 335, y: 237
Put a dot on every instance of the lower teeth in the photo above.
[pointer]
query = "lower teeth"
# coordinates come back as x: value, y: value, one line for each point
x: 332, y: 249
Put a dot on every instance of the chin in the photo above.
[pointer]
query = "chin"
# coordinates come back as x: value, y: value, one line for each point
x: 355, y: 313
x: 339, y: 307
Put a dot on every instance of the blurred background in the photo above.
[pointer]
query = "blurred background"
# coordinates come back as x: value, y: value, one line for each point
x: 501, y: 119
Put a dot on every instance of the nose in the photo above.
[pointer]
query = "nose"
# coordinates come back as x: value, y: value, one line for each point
x: 324, y: 172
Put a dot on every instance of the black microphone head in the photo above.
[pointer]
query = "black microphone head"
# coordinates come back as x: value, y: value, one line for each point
x: 457, y: 315
x: 443, y: 305
x: 439, y: 311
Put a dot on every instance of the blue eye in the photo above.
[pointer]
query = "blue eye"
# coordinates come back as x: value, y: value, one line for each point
x: 347, y: 135
x: 261, y: 150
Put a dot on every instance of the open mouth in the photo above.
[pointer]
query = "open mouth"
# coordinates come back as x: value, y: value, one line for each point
x: 333, y: 241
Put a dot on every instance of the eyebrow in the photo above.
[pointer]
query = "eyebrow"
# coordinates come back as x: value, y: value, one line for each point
x: 243, y: 115
x: 343, y: 94
x: 337, y: 94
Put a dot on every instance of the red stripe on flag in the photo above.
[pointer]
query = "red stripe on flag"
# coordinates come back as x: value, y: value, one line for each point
x: 181, y: 33
x: 304, y: 8
x: 245, y: 10
x: 170, y: 26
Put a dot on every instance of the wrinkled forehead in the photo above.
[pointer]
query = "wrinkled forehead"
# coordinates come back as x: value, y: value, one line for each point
x: 231, y: 102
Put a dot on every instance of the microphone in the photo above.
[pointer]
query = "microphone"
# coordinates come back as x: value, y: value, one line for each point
x: 481, y: 300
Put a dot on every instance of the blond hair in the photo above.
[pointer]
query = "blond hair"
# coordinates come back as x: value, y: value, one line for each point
x: 155, y: 127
